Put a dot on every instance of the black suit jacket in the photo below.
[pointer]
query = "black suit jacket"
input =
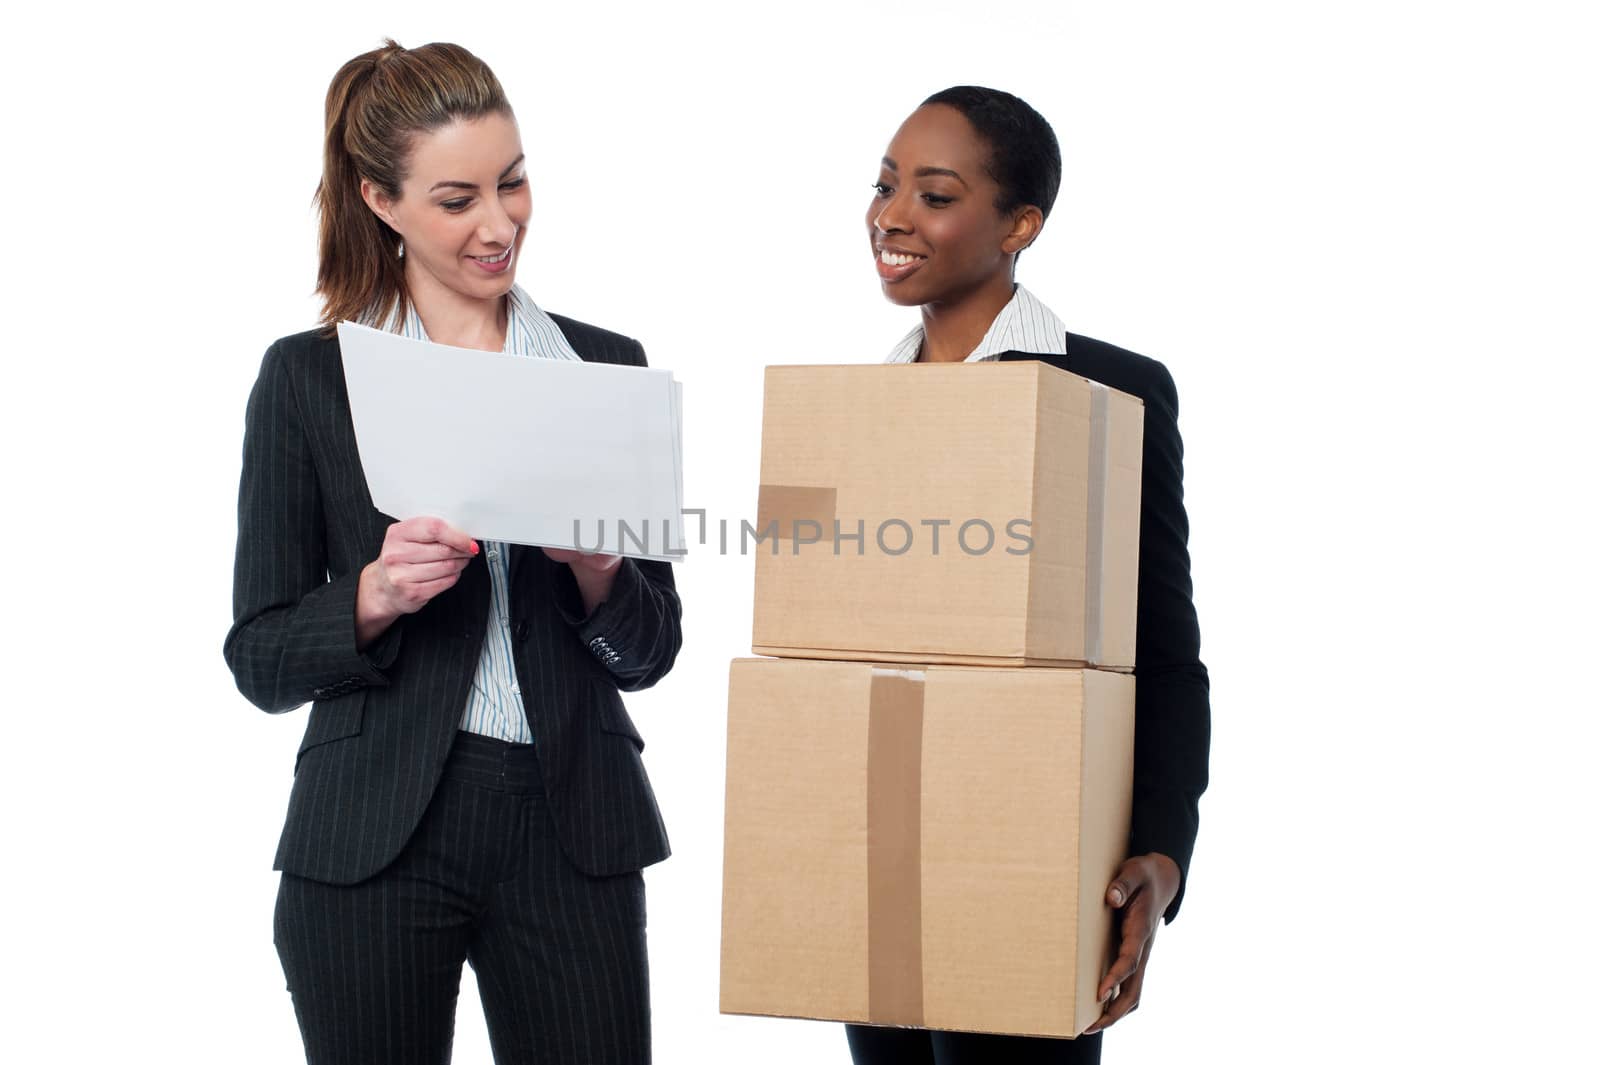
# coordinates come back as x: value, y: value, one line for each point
x: 384, y: 719
x: 1172, y: 726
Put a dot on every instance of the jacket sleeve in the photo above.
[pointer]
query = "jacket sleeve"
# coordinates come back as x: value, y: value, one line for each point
x: 1172, y: 729
x: 637, y: 630
x: 293, y: 637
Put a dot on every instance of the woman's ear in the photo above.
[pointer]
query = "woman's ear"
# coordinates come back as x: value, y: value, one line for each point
x: 379, y: 201
x: 1025, y: 226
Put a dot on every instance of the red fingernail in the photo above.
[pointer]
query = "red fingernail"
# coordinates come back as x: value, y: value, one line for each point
x: 474, y: 547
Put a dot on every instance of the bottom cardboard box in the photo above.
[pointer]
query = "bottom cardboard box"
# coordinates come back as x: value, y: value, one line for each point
x: 923, y: 846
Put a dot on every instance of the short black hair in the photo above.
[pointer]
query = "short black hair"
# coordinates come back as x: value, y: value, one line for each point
x: 1024, y: 158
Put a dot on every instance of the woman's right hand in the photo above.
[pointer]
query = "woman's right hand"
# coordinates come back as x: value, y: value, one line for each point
x: 420, y: 558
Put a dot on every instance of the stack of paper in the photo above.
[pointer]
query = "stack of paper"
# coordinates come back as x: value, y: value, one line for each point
x: 545, y: 452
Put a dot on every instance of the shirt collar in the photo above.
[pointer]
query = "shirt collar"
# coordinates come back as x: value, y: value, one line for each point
x: 529, y: 330
x: 1023, y: 324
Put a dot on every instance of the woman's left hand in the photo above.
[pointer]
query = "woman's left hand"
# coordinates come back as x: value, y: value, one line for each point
x: 1141, y: 891
x: 594, y: 573
x: 595, y: 563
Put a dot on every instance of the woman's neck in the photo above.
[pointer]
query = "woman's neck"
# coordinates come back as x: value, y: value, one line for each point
x: 453, y: 319
x: 952, y: 329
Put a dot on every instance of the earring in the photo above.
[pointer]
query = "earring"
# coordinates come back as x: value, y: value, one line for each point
x: 401, y: 253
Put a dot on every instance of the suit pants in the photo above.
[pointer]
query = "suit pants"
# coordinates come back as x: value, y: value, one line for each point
x: 915, y: 1046
x: 374, y: 968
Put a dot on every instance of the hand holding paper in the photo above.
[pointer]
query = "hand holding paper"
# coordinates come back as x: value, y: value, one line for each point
x: 595, y: 563
x: 420, y: 558
x: 594, y: 573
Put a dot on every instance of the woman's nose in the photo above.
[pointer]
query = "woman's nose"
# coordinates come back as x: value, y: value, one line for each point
x: 891, y: 217
x: 497, y: 227
x: 502, y: 235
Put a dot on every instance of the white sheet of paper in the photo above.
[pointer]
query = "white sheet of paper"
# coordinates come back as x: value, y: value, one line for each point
x: 532, y: 451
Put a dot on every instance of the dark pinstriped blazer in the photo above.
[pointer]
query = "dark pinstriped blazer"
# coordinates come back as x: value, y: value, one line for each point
x: 1172, y: 693
x: 383, y: 719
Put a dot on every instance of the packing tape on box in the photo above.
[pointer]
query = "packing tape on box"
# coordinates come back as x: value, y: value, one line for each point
x: 788, y: 504
x: 894, y: 847
x: 1094, y: 563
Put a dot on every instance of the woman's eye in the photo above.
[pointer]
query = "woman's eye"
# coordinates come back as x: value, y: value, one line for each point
x: 881, y: 189
x: 454, y: 205
x: 937, y: 201
x: 509, y: 186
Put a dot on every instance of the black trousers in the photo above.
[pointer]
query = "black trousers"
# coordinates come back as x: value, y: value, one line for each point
x: 914, y: 1046
x: 374, y: 968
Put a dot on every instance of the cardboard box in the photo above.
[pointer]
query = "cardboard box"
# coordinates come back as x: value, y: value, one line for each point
x: 984, y: 514
x: 926, y: 847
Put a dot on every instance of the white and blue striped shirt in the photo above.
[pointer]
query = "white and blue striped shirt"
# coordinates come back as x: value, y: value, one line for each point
x: 1024, y: 324
x: 494, y: 705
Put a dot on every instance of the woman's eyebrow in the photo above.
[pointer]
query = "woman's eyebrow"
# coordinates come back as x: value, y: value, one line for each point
x: 469, y: 185
x: 931, y: 171
x: 926, y: 171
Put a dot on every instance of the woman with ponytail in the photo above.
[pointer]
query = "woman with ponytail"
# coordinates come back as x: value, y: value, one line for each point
x: 469, y: 787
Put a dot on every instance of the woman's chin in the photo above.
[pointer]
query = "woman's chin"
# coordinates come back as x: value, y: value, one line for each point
x: 900, y: 295
x: 488, y: 287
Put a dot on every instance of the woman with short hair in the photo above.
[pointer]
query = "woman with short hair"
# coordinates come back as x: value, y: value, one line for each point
x: 966, y: 186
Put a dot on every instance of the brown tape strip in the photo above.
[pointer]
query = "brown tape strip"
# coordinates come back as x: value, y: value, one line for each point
x: 787, y: 504
x: 894, y: 848
x: 1094, y: 574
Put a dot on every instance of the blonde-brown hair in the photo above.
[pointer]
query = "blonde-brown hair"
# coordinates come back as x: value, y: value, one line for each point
x: 376, y: 104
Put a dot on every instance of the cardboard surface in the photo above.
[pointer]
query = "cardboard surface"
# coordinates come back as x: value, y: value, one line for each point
x: 923, y: 846
x: 984, y: 513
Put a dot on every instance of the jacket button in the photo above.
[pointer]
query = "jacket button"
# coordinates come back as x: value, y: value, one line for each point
x: 521, y: 631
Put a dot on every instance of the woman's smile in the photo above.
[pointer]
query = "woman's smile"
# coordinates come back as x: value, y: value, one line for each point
x: 496, y: 263
x: 895, y: 265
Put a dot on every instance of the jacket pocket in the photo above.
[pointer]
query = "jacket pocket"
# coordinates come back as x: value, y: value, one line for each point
x: 334, y: 719
x: 613, y: 716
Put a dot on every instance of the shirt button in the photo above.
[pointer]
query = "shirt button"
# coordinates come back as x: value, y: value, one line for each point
x: 494, y: 554
x: 516, y: 689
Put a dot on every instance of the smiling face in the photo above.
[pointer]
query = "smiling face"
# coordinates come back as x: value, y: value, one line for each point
x: 463, y: 207
x: 935, y: 232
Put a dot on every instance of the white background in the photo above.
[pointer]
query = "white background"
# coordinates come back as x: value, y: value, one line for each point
x: 1362, y: 236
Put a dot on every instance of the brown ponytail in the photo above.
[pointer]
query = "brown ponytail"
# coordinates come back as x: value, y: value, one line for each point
x: 376, y: 103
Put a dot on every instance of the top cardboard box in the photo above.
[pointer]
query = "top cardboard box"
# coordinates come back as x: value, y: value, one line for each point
x: 974, y: 513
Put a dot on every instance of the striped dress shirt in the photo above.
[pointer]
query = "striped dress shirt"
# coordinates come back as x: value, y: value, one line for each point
x: 1024, y: 324
x: 494, y: 704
